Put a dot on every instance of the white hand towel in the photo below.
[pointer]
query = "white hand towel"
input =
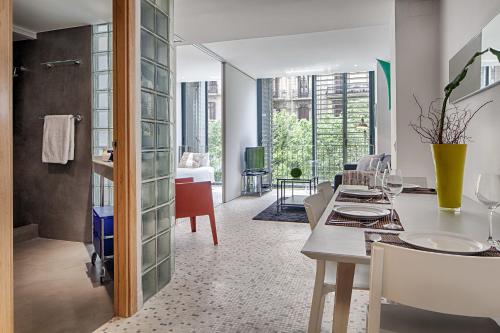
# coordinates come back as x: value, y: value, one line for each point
x: 58, y: 139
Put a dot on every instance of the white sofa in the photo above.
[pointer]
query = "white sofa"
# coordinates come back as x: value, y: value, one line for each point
x: 200, y: 173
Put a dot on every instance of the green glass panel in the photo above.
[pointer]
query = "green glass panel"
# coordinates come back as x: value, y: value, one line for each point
x: 164, y: 273
x: 162, y: 78
x: 147, y: 15
x: 163, y: 243
x: 102, y: 81
x: 162, y: 52
x: 101, y: 42
x: 101, y: 119
x: 147, y: 75
x: 162, y: 135
x: 161, y: 24
x: 149, y: 284
x: 148, y: 224
x: 162, y: 194
x: 161, y: 108
x: 147, y: 105
x: 148, y: 254
x: 147, y: 166
x: 148, y: 195
x: 162, y: 163
x: 163, y: 218
x: 147, y: 45
x: 148, y: 135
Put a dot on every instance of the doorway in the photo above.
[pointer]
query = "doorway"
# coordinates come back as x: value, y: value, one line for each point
x: 125, y: 242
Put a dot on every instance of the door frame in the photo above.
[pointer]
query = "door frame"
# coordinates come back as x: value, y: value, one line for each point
x: 6, y: 171
x: 125, y: 168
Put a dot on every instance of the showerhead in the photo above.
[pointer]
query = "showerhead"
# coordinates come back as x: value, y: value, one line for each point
x: 18, y: 70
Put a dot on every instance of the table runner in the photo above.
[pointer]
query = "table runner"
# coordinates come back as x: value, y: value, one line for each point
x: 335, y: 217
x: 420, y: 190
x: 393, y: 239
x: 343, y: 197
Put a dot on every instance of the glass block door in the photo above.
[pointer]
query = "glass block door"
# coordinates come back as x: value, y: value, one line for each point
x: 157, y: 142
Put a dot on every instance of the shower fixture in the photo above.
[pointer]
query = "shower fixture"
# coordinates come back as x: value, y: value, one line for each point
x: 18, y: 70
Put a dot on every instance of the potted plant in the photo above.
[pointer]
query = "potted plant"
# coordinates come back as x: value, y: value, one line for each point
x: 444, y: 126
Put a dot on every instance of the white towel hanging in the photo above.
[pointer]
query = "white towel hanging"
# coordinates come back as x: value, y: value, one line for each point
x: 58, y: 139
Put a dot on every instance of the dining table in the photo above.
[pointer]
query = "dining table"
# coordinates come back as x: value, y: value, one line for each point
x: 346, y: 246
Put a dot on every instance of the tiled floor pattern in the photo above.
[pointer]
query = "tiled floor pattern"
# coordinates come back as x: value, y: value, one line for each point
x: 256, y: 280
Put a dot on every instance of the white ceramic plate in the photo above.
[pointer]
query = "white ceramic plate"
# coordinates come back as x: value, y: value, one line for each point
x: 361, y: 192
x: 410, y: 186
x: 444, y: 242
x: 362, y: 212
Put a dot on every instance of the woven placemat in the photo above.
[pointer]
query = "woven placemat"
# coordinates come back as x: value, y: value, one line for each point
x: 379, y: 199
x: 334, y: 218
x: 420, y: 190
x: 393, y: 239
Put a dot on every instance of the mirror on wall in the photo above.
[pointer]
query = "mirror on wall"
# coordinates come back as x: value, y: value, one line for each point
x: 484, y: 73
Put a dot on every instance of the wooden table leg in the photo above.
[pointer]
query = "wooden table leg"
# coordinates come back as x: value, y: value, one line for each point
x: 318, y: 299
x: 345, y: 277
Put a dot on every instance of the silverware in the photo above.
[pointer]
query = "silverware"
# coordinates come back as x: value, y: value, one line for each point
x: 349, y: 222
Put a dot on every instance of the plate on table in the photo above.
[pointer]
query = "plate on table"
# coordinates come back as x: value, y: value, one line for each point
x: 361, y: 212
x: 407, y: 186
x: 444, y: 242
x: 364, y: 193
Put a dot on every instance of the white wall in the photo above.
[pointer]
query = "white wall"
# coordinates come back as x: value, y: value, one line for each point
x: 416, y: 63
x: 239, y: 126
x: 382, y: 114
x: 460, y: 21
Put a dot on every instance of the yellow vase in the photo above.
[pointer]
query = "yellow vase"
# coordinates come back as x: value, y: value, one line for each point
x: 449, y: 161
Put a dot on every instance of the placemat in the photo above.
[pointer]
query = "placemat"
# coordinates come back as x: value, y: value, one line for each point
x: 379, y: 199
x: 334, y: 218
x: 420, y: 190
x: 393, y: 239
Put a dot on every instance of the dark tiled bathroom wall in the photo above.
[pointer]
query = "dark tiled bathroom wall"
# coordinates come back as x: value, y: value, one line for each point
x: 56, y: 197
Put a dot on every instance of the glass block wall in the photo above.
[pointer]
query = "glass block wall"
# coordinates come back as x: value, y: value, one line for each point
x: 157, y: 142
x: 102, y: 114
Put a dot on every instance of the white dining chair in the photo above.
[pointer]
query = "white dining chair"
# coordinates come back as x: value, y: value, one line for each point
x: 440, y: 292
x: 315, y: 206
x: 326, y: 190
x: 420, y: 181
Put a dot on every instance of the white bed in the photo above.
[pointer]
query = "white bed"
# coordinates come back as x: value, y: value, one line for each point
x: 201, y: 174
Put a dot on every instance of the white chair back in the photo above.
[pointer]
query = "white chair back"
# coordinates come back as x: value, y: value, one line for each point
x: 451, y: 284
x: 326, y: 190
x: 315, y: 205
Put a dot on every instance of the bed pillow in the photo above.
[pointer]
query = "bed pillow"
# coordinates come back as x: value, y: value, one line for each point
x: 190, y: 160
x: 205, y: 160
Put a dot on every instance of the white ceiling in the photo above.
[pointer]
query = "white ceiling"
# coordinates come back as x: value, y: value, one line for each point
x: 46, y: 15
x: 222, y: 20
x: 315, y: 53
x: 194, y: 65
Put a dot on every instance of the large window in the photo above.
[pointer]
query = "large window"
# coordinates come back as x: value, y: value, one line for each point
x: 201, y: 121
x: 318, y: 123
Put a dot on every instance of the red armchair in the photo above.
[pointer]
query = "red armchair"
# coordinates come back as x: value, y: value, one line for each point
x: 195, y: 199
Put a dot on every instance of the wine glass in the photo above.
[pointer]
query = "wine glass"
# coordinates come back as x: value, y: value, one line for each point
x: 374, y: 168
x: 392, y: 186
x: 488, y: 193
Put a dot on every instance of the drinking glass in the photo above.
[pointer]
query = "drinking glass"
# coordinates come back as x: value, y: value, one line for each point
x: 374, y: 168
x: 392, y: 186
x: 488, y: 193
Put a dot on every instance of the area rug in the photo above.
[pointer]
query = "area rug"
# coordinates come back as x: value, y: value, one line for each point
x: 287, y: 214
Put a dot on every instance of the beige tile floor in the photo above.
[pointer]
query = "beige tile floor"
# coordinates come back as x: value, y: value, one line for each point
x: 256, y: 280
x: 56, y: 289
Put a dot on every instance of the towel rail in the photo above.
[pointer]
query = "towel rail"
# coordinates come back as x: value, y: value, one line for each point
x: 78, y: 117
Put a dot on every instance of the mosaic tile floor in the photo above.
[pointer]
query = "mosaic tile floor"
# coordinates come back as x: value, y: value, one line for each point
x: 256, y: 280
